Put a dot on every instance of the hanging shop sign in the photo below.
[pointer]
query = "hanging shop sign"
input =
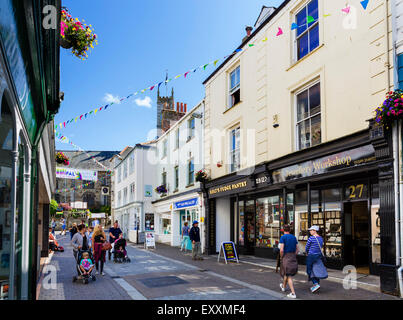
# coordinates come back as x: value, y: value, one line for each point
x: 229, y: 188
x: 76, y: 174
x: 186, y: 203
x: 148, y: 190
x: 341, y: 160
x: 228, y: 250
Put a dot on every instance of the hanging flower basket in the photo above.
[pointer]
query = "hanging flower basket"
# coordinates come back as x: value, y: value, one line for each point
x: 201, y: 176
x: 76, y: 35
x: 391, y: 109
x: 61, y: 158
x: 161, y: 189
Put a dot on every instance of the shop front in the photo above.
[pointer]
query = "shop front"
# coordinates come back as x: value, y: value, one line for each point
x: 340, y: 187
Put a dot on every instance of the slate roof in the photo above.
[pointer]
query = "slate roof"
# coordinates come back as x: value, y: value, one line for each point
x: 82, y: 160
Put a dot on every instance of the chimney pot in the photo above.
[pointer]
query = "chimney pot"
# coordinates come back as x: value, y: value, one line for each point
x: 181, y: 106
x: 177, y: 106
x: 185, y: 107
x: 248, y: 30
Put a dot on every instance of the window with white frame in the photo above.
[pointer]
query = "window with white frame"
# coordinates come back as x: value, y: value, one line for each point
x: 191, y: 127
x: 132, y: 192
x: 307, y: 32
x: 177, y: 138
x: 164, y: 148
x: 308, y: 120
x: 119, y: 198
x: 124, y: 196
x: 176, y: 184
x: 125, y: 170
x: 191, y: 171
x: 164, y: 178
x: 235, y: 149
x: 119, y: 174
x: 131, y: 163
x: 234, y: 87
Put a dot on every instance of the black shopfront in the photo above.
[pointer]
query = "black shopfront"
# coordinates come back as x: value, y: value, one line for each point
x: 345, y: 187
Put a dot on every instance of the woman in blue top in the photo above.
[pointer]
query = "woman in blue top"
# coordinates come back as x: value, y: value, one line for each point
x: 314, y: 250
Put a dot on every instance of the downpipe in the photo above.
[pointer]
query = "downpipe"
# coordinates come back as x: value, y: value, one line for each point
x: 399, y: 245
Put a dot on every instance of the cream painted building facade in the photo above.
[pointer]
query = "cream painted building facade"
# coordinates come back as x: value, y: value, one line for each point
x: 288, y: 138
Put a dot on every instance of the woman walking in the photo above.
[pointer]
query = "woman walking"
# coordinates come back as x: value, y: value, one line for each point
x: 63, y: 223
x: 79, y: 241
x: 289, y: 264
x: 314, y: 250
x: 73, y: 230
x: 98, y: 239
x: 185, y: 236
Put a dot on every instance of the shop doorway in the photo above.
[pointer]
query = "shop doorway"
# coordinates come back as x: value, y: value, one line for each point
x: 250, y: 227
x: 357, y: 232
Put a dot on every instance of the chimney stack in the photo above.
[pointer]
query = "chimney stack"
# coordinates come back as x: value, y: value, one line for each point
x: 248, y: 30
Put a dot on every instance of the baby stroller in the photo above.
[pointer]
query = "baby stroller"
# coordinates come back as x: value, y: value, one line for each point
x: 80, y: 275
x: 119, y: 251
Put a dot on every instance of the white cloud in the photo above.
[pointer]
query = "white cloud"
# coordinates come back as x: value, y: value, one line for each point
x: 146, y: 102
x: 109, y: 98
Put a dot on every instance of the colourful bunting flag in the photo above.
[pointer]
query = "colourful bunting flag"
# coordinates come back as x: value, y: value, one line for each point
x: 280, y: 32
x: 205, y: 66
x: 151, y: 89
x: 251, y: 45
x: 215, y: 62
x: 294, y: 26
x: 346, y: 10
x: 310, y: 19
x: 364, y: 4
x: 327, y: 15
x: 186, y: 74
x: 265, y: 39
x: 177, y: 76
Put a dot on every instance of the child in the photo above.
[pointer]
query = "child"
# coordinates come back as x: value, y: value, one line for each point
x: 86, y: 264
x: 120, y: 247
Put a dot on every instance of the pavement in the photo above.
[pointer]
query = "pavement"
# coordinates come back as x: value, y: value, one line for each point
x: 168, y: 274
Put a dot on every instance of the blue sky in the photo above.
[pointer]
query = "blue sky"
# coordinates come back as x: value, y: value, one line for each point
x: 138, y: 41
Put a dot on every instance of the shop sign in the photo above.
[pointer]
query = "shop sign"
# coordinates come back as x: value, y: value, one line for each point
x: 76, y: 174
x: 150, y: 240
x: 165, y: 216
x: 186, y: 203
x: 229, y: 252
x: 345, y: 159
x: 229, y: 188
x: 148, y: 190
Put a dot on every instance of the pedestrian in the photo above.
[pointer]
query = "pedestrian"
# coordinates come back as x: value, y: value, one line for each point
x: 289, y: 264
x: 98, y: 240
x: 90, y: 232
x: 73, y: 230
x: 53, y: 225
x: 185, y: 236
x: 114, y: 233
x: 313, y: 249
x: 79, y: 241
x: 63, y: 223
x: 194, y: 235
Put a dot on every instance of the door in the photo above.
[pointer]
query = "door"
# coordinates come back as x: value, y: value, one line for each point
x: 250, y: 226
x: 356, y: 244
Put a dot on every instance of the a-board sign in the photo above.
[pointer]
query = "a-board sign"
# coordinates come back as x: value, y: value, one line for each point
x: 150, y: 240
x: 229, y: 252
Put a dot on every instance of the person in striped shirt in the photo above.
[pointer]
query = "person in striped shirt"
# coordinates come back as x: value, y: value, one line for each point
x: 314, y: 250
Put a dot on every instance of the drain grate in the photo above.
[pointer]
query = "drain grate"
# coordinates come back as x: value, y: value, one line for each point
x: 203, y: 270
x: 115, y: 277
x: 162, y: 281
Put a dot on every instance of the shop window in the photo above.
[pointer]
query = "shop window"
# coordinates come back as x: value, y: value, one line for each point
x: 308, y: 124
x: 165, y: 226
x: 6, y: 182
x: 301, y: 218
x: 191, y: 170
x: 307, y: 34
x: 333, y: 222
x: 268, y: 221
x: 191, y: 128
x: 235, y: 88
x: 149, y: 222
x: 235, y: 149
x: 124, y: 196
x: 290, y: 219
x: 176, y: 178
x: 241, y: 224
x: 375, y: 225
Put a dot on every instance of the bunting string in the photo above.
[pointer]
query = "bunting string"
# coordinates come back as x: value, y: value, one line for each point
x: 280, y: 32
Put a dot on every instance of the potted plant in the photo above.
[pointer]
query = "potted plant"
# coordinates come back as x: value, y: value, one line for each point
x: 391, y: 109
x: 61, y: 158
x: 76, y: 35
x: 161, y: 189
x: 201, y: 176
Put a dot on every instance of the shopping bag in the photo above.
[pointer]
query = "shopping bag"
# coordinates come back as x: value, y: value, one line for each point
x: 319, y: 270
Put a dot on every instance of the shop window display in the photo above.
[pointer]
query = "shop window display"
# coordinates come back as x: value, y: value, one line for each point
x: 149, y: 221
x: 301, y: 219
x: 333, y: 223
x: 375, y: 225
x: 166, y: 226
x: 268, y: 221
x: 241, y: 224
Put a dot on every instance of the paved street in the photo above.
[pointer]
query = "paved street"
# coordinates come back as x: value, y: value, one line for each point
x: 167, y: 274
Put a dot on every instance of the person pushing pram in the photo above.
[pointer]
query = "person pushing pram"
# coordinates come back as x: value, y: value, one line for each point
x: 119, y: 250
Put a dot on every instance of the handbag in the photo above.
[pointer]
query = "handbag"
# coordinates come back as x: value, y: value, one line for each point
x: 319, y: 270
x: 106, y: 246
x: 323, y: 258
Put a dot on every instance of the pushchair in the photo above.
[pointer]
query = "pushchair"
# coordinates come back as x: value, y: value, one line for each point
x: 80, y: 275
x: 119, y: 251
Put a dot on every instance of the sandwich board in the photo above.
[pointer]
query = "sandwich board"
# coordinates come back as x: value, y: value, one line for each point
x: 150, y: 240
x: 229, y: 252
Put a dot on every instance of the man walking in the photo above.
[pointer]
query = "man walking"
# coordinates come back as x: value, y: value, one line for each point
x: 194, y: 235
x: 114, y: 233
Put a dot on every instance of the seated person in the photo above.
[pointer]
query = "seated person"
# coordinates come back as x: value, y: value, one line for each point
x: 86, y: 264
x: 120, y: 246
x: 53, y: 244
